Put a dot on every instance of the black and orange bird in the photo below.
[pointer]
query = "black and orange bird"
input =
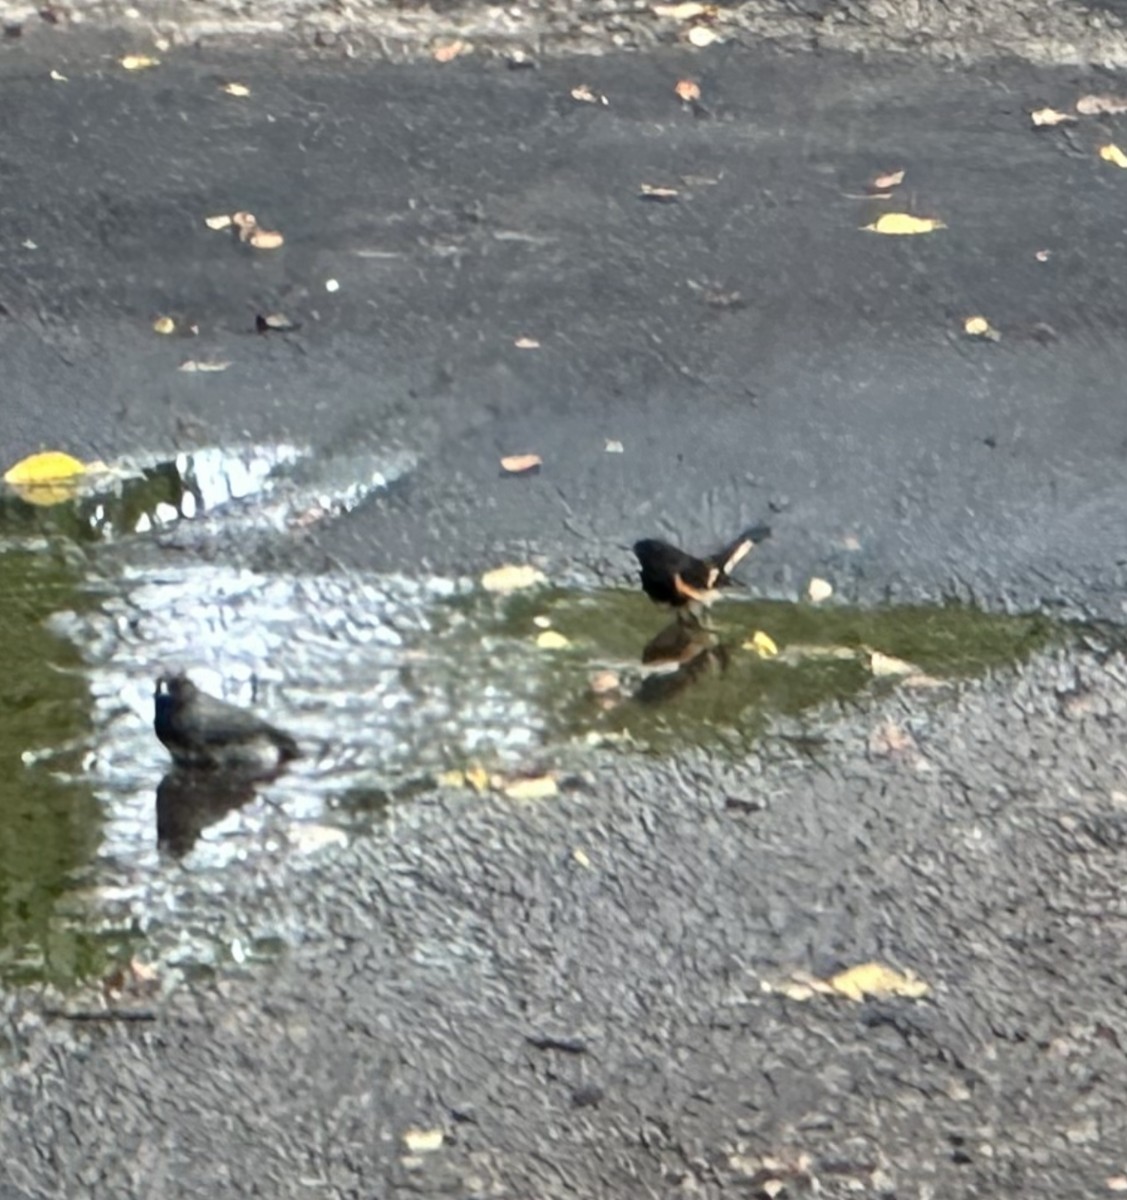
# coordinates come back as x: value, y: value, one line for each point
x: 674, y: 577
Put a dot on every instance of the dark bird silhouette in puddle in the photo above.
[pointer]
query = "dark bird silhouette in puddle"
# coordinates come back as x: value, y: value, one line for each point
x: 204, y: 733
x: 189, y: 801
x: 692, y: 649
x: 673, y: 577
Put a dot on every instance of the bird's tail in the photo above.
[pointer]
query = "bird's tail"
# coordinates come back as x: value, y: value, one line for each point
x: 735, y: 552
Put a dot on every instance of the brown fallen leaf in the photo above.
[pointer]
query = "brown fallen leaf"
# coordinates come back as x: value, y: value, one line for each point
x: 192, y: 365
x: 583, y: 93
x: 687, y: 89
x: 1091, y: 106
x: 448, y: 51
x: 139, y: 62
x: 521, y: 464
x: 265, y: 239
x: 526, y: 343
x: 653, y: 191
x: 1112, y: 154
x: 890, y: 179
x: 135, y: 978
x: 1046, y: 118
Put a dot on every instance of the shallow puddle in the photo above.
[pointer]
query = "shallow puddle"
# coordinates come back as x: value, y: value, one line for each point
x: 388, y: 683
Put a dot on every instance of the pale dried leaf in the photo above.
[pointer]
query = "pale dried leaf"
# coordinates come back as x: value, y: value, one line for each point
x: 521, y: 464
x: 204, y: 365
x: 702, y: 35
x: 613, y: 446
x: 1112, y: 154
x: 1048, y: 117
x: 655, y: 191
x: 889, y: 179
x: 1116, y: 1183
x: 885, y: 665
x: 236, y: 89
x: 139, y: 62
x: 219, y: 221
x: 550, y: 639
x: 526, y: 343
x: 687, y: 89
x: 512, y: 578
x: 580, y: 856
x: 537, y: 787
x: 604, y: 682
x: 265, y: 239
x: 448, y: 51
x: 685, y: 11
x: 980, y: 327
x: 164, y: 325
x: 890, y: 740
x: 818, y: 590
x: 901, y: 224
x: 423, y: 1141
x: 772, y: 1187
x: 1043, y: 255
x: 59, y: 77
x: 875, y: 979
x: 583, y: 92
x: 245, y: 222
x: 1091, y: 106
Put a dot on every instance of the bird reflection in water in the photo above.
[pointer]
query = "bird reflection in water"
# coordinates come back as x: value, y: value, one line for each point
x: 690, y: 648
x: 189, y: 801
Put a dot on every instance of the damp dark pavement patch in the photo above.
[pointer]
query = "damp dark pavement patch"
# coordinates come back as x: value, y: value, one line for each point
x: 585, y: 994
x: 751, y: 349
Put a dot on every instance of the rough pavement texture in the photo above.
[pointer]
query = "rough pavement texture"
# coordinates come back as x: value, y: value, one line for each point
x: 756, y: 353
x: 461, y: 208
x: 1041, y: 31
x: 985, y: 854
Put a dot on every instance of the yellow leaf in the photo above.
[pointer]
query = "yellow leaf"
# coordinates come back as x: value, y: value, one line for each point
x: 511, y: 578
x: 236, y: 89
x: 164, y: 325
x: 819, y: 590
x: 875, y: 979
x: 980, y: 327
x: 1112, y: 154
x: 763, y: 644
x: 904, y: 223
x: 1049, y: 117
x: 477, y: 777
x: 49, y: 467
x: 220, y: 221
x: 452, y: 779
x: 551, y: 640
x: 540, y: 787
x: 139, y: 62
x: 423, y: 1141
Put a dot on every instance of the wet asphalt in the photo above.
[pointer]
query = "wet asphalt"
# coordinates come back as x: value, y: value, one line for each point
x: 602, y: 1023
